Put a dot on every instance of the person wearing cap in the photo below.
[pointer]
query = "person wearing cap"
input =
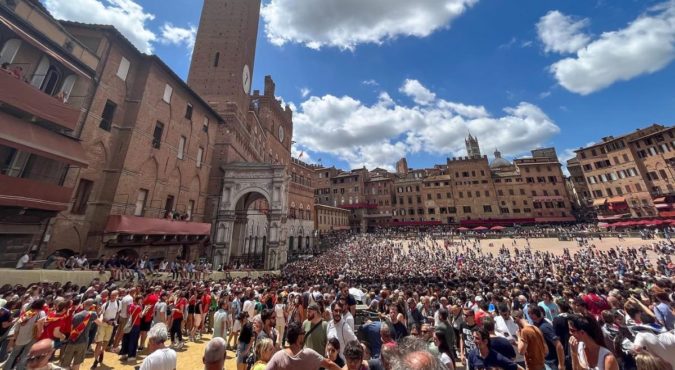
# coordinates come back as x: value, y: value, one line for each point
x: 315, y: 328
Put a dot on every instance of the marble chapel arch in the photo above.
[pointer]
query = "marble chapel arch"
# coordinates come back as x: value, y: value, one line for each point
x: 244, y: 184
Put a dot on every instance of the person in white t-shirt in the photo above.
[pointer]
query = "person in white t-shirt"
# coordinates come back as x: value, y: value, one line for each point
x: 662, y: 345
x: 280, y: 312
x: 161, y: 357
x: 127, y: 299
x: 24, y: 262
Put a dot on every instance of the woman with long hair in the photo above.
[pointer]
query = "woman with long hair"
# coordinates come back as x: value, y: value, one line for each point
x: 586, y: 346
x: 445, y: 354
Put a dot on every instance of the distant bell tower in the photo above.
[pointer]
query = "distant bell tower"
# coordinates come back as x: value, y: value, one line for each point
x: 472, y: 148
x: 222, y: 61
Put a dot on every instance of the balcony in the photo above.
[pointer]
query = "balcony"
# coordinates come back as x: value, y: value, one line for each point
x: 27, y: 193
x: 34, y: 102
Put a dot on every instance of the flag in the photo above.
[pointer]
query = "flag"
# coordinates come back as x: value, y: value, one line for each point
x: 301, y: 154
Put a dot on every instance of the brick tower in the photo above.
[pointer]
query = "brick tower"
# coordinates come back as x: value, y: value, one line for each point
x: 222, y: 61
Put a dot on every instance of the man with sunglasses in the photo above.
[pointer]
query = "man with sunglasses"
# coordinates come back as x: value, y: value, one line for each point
x: 39, y: 355
x: 338, y: 328
x: 427, y: 335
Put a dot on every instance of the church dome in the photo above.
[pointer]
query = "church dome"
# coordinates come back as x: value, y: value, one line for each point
x: 499, y: 162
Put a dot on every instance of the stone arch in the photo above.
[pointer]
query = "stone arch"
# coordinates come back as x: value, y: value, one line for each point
x: 131, y: 252
x: 150, y: 167
x: 244, y: 184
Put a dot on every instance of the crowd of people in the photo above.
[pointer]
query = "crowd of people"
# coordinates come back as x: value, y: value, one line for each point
x: 369, y: 302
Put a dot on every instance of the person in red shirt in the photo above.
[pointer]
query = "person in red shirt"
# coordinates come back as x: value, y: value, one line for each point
x: 148, y: 310
x: 206, y: 312
x: 132, y: 330
x: 177, y: 319
x: 57, y: 324
x: 594, y: 302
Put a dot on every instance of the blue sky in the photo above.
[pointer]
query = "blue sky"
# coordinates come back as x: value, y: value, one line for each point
x: 374, y: 80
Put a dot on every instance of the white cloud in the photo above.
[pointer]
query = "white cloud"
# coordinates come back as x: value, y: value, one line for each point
x: 561, y: 33
x: 370, y: 82
x: 299, y: 152
x: 419, y: 93
x: 126, y: 15
x: 178, y: 35
x: 305, y: 92
x: 645, y: 46
x: 378, y: 135
x: 348, y: 23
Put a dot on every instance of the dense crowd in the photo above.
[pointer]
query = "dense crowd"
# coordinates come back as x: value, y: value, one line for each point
x: 369, y: 302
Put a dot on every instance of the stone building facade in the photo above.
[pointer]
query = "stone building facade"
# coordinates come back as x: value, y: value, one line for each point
x: 330, y: 219
x: 467, y: 191
x: 149, y: 140
x: 46, y: 79
x: 630, y: 176
x: 144, y: 163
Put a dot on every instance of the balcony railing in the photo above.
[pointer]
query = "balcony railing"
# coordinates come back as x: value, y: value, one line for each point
x: 25, y: 97
x: 27, y: 193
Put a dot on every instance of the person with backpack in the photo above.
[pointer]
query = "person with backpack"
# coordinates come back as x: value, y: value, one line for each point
x: 28, y: 328
x: 315, y: 328
x: 109, y: 314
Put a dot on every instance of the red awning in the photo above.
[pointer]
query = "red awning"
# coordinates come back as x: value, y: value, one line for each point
x: 618, y: 206
x: 154, y: 226
x: 618, y: 199
x: 34, y: 139
x: 462, y: 229
x: 497, y: 227
x: 660, y: 200
x: 415, y: 223
x: 555, y: 219
x: 613, y: 217
x: 480, y: 228
x: 663, y: 205
x: 493, y: 222
x: 667, y: 214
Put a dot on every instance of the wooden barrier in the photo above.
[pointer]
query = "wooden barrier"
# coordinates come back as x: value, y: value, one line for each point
x: 25, y: 277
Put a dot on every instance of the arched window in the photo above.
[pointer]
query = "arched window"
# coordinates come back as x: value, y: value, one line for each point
x: 51, y: 80
x: 9, y: 50
x: 216, y: 59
